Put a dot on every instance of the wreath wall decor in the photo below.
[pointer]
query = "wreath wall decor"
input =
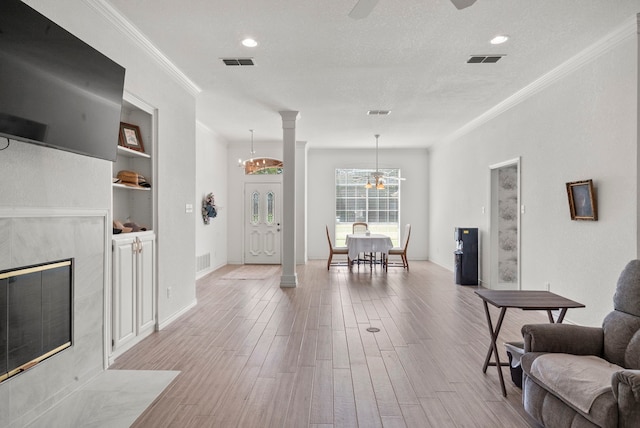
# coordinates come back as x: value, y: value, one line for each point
x: 209, y: 210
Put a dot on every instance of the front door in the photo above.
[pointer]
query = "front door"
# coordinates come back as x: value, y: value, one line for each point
x: 262, y: 223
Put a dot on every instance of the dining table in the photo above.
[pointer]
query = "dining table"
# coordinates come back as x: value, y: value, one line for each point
x: 368, y: 243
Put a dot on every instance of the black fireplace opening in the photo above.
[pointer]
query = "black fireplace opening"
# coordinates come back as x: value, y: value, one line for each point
x: 36, y: 311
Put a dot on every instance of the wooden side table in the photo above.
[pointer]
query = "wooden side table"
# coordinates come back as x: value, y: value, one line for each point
x: 525, y: 300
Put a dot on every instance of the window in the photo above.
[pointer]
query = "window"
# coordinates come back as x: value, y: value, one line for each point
x: 268, y: 211
x: 270, y: 208
x: 255, y: 208
x: 379, y: 208
x: 261, y: 166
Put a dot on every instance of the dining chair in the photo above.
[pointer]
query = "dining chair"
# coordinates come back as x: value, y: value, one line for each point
x: 400, y: 251
x: 335, y: 250
x: 361, y: 227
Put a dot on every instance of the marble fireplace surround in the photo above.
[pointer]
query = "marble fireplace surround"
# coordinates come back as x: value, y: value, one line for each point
x: 31, y: 236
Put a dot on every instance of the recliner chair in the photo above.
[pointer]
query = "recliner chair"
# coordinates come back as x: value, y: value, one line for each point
x: 575, y: 376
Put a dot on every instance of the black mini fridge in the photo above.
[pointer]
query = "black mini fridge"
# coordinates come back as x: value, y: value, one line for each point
x: 466, y: 255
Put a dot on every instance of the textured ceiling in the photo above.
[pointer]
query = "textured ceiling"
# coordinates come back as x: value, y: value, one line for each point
x: 407, y: 56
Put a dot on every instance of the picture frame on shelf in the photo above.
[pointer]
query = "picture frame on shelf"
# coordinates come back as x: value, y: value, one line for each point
x: 582, y: 200
x: 130, y: 137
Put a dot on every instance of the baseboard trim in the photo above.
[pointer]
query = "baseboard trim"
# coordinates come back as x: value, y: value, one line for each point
x: 289, y: 281
x: 208, y: 271
x: 163, y: 324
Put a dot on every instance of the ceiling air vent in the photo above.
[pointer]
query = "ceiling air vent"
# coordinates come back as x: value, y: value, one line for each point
x: 484, y: 59
x: 378, y: 112
x: 238, y: 61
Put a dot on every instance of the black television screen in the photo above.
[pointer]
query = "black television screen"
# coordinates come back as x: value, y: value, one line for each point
x: 56, y: 90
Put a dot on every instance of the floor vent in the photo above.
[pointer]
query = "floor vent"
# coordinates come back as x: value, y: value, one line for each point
x: 238, y: 61
x: 484, y: 59
x: 378, y: 112
x: 203, y: 262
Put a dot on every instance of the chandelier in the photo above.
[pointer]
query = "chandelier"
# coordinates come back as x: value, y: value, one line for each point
x: 250, y: 163
x: 261, y: 165
x: 379, y: 183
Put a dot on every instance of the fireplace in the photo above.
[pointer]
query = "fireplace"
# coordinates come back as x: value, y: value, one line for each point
x: 36, y: 314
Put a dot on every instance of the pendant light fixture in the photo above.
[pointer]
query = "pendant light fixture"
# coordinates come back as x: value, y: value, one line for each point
x: 253, y: 152
x: 379, y: 184
x: 242, y: 163
x: 259, y: 165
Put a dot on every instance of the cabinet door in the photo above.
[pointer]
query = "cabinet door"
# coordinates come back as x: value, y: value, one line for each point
x: 146, y: 284
x: 124, y: 292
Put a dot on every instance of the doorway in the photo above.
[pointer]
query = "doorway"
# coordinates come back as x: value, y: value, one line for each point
x: 263, y: 211
x: 505, y: 225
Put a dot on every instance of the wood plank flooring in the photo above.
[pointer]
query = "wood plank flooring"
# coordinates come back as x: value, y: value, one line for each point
x: 252, y: 354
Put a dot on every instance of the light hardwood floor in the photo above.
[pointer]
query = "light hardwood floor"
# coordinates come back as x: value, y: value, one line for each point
x: 252, y: 354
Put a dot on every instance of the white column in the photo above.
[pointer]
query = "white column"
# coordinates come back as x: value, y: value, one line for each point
x: 301, y: 202
x: 289, y: 277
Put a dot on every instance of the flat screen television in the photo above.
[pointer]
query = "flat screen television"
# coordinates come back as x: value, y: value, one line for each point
x: 56, y: 90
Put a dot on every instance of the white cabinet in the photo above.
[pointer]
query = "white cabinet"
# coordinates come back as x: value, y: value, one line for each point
x: 134, y: 298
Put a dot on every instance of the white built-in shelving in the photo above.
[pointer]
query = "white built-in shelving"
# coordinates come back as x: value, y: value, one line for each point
x: 133, y: 293
x: 134, y: 204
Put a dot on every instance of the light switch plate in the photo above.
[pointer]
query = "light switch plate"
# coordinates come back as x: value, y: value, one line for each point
x: 188, y: 208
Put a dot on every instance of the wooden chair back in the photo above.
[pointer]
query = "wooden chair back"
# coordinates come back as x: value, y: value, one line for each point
x: 407, y: 235
x: 334, y: 250
x: 359, y: 227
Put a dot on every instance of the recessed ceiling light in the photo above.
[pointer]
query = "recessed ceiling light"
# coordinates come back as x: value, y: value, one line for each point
x: 499, y: 39
x: 250, y: 43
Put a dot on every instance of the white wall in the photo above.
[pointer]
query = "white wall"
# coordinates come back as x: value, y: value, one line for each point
x: 211, y: 177
x: 321, y: 210
x: 38, y: 179
x: 582, y: 126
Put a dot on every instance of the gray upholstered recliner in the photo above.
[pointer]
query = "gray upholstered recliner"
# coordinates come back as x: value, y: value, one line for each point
x: 576, y: 376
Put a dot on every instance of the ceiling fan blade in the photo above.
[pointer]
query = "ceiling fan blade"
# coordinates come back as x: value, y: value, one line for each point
x: 461, y: 4
x: 363, y: 8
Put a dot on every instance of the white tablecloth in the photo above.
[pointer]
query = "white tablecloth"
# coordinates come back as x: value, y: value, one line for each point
x: 374, y: 243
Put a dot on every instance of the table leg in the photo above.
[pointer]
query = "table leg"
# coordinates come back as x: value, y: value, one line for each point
x: 493, y: 349
x: 550, y: 315
x: 563, y: 312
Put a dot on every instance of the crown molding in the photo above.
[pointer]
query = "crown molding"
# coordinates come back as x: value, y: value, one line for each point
x: 201, y: 125
x: 206, y: 128
x: 630, y: 28
x: 121, y: 23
